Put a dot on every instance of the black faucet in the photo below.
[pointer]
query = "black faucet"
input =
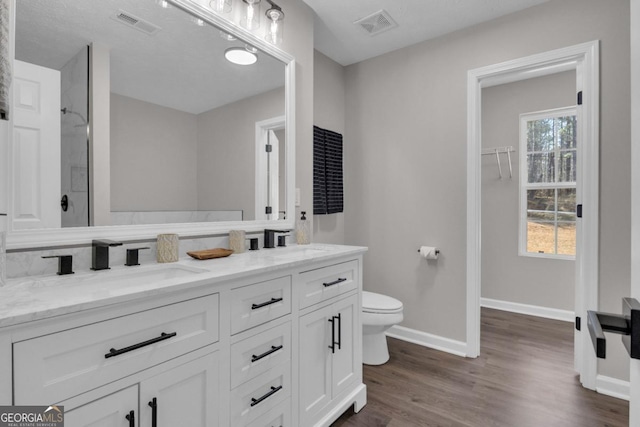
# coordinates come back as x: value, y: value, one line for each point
x: 65, y: 264
x: 100, y: 253
x: 269, y: 237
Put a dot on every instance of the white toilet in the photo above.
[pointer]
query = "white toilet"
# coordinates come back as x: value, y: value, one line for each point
x: 379, y: 313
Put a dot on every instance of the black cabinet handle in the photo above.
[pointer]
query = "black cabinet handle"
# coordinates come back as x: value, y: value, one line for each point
x: 131, y: 418
x: 273, y: 391
x: 264, y: 304
x: 162, y: 337
x: 273, y: 349
x: 154, y: 412
x: 333, y: 335
x: 339, y: 317
x: 335, y: 282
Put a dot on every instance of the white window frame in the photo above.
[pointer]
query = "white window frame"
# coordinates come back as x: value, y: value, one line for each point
x: 524, y: 178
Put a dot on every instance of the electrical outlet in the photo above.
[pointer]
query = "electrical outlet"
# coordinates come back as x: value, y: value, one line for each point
x: 297, y: 197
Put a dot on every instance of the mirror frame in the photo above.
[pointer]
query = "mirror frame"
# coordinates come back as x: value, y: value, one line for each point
x: 55, y: 237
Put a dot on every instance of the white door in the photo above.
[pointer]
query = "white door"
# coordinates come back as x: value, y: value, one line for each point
x: 273, y: 173
x: 183, y: 396
x: 35, y: 148
x: 110, y: 411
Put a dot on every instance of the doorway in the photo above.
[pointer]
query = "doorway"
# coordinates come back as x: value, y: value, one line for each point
x: 529, y: 182
x: 584, y: 59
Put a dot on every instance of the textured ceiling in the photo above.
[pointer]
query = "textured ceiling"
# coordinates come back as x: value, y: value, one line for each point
x: 182, y: 66
x: 337, y: 37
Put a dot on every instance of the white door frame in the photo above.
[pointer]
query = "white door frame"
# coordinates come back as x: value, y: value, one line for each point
x: 584, y: 58
x: 634, y: 380
x: 262, y: 130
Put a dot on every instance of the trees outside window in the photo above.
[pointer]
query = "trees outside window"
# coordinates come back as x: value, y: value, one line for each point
x: 548, y: 183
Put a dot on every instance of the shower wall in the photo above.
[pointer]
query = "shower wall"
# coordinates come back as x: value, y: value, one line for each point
x: 74, y: 145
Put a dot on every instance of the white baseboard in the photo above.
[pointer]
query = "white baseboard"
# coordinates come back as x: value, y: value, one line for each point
x: 612, y: 387
x: 424, y: 339
x: 531, y: 310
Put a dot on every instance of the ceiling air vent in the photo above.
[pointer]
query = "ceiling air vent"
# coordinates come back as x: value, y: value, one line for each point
x: 133, y: 21
x: 377, y: 22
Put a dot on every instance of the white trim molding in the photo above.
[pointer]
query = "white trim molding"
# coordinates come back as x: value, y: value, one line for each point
x: 584, y: 58
x: 424, y: 339
x: 530, y: 310
x: 613, y: 387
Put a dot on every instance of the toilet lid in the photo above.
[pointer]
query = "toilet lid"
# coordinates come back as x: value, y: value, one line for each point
x: 378, y: 303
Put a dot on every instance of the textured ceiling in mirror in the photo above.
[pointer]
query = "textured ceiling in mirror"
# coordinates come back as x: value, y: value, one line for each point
x: 181, y: 66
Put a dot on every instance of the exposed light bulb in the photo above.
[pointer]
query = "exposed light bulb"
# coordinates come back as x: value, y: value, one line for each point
x: 274, y: 31
x: 221, y: 6
x: 251, y: 19
x: 164, y: 4
x: 199, y: 22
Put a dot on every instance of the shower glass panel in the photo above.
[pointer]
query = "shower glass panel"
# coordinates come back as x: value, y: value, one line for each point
x: 74, y: 114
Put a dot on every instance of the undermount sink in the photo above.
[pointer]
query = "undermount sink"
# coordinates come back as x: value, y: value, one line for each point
x: 127, y: 276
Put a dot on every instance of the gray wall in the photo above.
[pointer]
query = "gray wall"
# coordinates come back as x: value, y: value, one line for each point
x: 405, y: 173
x: 226, y: 160
x: 506, y: 276
x: 153, y: 153
x: 329, y: 113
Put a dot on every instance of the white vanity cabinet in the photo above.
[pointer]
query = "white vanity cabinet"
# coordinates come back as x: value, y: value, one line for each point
x: 278, y: 345
x: 184, y: 395
x: 330, y: 333
x: 328, y: 356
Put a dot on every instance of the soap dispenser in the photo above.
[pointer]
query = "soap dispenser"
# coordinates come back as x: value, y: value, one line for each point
x: 303, y: 230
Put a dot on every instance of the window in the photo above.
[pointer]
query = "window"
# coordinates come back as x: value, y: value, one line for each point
x: 548, y: 164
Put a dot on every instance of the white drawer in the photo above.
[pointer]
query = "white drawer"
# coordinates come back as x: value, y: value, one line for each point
x: 259, y: 353
x: 327, y: 282
x: 259, y: 396
x: 259, y: 303
x: 55, y: 367
x: 279, y: 416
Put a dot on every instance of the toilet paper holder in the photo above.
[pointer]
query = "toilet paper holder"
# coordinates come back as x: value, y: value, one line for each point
x: 437, y: 251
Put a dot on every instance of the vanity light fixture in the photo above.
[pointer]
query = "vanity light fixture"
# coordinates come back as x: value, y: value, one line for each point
x: 221, y: 6
x: 275, y: 17
x: 240, y: 56
x: 251, y: 15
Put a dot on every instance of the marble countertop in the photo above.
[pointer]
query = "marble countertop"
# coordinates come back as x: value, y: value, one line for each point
x: 39, y: 297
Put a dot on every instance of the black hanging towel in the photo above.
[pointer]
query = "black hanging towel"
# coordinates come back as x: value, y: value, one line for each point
x: 327, y: 172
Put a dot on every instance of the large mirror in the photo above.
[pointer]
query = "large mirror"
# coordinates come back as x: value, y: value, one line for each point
x: 153, y: 124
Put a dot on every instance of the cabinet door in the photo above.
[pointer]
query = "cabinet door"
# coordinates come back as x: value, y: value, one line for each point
x: 315, y: 364
x: 184, y: 396
x: 344, y: 360
x: 110, y: 411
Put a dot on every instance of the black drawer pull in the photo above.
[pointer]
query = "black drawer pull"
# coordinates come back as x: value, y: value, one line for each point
x: 273, y: 391
x: 131, y: 418
x: 154, y: 412
x: 335, y: 282
x: 266, y: 353
x: 333, y: 334
x: 264, y: 304
x: 162, y: 337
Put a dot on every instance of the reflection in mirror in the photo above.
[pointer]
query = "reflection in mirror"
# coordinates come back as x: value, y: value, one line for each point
x: 154, y: 124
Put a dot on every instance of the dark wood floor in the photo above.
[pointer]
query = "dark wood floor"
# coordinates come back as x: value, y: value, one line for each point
x: 524, y: 377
